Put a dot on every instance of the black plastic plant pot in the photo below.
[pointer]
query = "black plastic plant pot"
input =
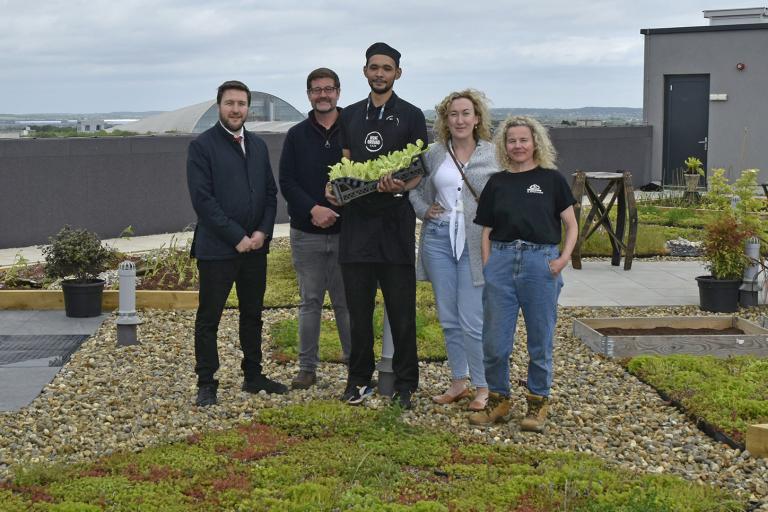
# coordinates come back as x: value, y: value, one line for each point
x: 718, y: 295
x: 82, y: 299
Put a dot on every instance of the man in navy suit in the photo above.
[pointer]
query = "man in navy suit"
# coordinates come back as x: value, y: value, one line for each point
x: 234, y: 195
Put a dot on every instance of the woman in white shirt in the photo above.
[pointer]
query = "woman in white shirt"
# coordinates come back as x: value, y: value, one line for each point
x: 459, y: 165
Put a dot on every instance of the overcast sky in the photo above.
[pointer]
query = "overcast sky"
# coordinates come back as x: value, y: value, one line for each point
x: 137, y: 55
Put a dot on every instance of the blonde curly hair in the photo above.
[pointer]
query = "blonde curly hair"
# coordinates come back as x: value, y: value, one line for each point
x: 544, y: 153
x: 480, y: 104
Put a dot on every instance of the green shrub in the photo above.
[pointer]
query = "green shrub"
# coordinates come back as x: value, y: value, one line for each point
x: 75, y: 252
x: 723, y: 247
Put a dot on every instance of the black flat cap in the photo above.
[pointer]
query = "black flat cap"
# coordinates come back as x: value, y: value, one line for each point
x: 383, y: 49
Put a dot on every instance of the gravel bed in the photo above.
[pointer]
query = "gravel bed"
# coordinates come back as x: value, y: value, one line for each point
x: 108, y: 398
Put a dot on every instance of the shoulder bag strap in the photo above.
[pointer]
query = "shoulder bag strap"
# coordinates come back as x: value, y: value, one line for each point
x: 461, y: 171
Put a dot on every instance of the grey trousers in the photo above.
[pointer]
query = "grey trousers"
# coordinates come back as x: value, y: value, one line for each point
x: 316, y: 260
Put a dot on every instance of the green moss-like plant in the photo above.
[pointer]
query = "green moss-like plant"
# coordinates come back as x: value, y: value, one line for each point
x: 730, y: 394
x: 334, y: 456
x: 429, y: 337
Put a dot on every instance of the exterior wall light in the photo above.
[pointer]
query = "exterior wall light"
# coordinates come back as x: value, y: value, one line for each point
x: 741, y: 66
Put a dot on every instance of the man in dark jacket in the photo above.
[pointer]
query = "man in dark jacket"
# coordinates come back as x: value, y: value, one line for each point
x: 234, y: 195
x: 309, y: 148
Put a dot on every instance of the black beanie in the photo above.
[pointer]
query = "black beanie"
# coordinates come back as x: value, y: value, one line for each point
x: 382, y: 49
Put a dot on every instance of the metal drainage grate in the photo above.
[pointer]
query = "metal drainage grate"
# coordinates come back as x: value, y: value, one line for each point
x: 17, y: 348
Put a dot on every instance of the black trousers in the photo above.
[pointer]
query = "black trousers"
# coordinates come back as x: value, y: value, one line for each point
x: 249, y: 272
x: 398, y: 285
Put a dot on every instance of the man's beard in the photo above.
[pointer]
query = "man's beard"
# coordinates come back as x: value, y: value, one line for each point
x: 318, y: 110
x: 228, y: 125
x: 386, y: 89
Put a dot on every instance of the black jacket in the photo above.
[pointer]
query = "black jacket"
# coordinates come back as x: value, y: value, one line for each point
x: 233, y: 194
x: 308, y: 150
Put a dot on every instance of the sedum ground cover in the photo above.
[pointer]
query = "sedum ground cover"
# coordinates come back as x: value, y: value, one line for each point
x: 328, y: 456
x: 730, y: 394
x: 429, y: 337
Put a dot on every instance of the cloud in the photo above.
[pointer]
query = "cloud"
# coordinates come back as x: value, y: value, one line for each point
x: 101, y: 55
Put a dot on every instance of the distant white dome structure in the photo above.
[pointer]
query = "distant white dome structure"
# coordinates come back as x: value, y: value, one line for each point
x: 267, y: 113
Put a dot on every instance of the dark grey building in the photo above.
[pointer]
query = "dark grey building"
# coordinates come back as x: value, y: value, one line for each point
x: 704, y: 93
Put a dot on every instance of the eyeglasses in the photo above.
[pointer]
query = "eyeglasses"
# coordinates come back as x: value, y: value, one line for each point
x: 327, y: 90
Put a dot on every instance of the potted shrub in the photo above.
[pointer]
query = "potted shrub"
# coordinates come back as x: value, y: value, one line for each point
x: 723, y: 252
x: 77, y: 257
x: 693, y: 170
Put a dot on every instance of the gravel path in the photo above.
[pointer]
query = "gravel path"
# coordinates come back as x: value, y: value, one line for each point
x: 108, y: 398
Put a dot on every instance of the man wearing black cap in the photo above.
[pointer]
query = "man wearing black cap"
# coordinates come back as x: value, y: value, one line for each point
x: 377, y: 243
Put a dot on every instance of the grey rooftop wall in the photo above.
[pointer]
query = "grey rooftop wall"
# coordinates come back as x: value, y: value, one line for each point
x: 108, y: 183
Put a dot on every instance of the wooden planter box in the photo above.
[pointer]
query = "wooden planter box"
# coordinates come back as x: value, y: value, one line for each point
x: 54, y: 299
x: 754, y: 341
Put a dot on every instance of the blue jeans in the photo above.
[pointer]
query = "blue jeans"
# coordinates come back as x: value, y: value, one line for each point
x: 459, y: 303
x: 517, y: 276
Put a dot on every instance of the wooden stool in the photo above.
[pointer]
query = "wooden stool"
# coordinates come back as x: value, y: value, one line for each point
x: 623, y: 196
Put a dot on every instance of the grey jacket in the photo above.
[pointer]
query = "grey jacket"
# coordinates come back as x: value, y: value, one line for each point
x: 480, y: 167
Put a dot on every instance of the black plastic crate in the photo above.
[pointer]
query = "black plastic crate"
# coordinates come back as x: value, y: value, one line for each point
x: 347, y: 189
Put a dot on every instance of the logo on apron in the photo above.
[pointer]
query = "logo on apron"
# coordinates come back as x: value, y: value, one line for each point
x: 373, y: 142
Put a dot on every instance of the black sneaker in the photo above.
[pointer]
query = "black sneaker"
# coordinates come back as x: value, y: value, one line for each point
x: 206, y: 395
x: 357, y: 394
x: 403, y: 399
x: 263, y: 383
x: 349, y: 392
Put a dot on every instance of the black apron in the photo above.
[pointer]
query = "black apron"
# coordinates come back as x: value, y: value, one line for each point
x: 379, y: 227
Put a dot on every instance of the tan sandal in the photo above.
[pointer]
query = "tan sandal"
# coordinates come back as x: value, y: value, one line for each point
x: 447, y: 398
x: 478, y: 403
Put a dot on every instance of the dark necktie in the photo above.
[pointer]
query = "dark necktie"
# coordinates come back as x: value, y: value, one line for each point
x: 238, y: 138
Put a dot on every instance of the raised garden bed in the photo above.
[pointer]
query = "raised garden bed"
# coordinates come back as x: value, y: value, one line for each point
x: 719, y: 336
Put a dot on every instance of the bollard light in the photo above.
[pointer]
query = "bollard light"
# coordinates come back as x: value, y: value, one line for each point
x: 127, y: 320
x: 750, y: 284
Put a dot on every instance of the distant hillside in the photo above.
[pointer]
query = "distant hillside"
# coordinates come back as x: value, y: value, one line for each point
x: 63, y: 115
x: 556, y: 116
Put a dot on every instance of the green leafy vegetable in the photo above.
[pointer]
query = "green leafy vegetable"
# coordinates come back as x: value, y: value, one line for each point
x: 375, y: 169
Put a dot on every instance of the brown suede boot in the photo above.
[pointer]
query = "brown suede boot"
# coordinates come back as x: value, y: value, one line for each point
x: 303, y: 380
x: 536, y: 416
x: 496, y: 411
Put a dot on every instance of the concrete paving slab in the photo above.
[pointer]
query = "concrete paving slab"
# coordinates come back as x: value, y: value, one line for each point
x: 595, y: 302
x: 43, y: 362
x: 22, y: 385
x: 57, y: 322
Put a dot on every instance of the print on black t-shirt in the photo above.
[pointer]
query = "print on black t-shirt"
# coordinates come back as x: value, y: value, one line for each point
x: 524, y: 205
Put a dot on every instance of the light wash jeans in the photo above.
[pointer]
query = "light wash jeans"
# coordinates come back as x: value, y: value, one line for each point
x: 517, y: 276
x: 316, y: 260
x: 459, y: 303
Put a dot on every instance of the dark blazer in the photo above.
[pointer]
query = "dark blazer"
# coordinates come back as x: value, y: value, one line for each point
x: 232, y: 194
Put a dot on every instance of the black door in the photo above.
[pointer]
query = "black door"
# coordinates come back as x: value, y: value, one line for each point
x: 686, y: 121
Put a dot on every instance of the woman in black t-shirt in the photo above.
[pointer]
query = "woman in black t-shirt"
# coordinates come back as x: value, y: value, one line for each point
x: 521, y: 210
